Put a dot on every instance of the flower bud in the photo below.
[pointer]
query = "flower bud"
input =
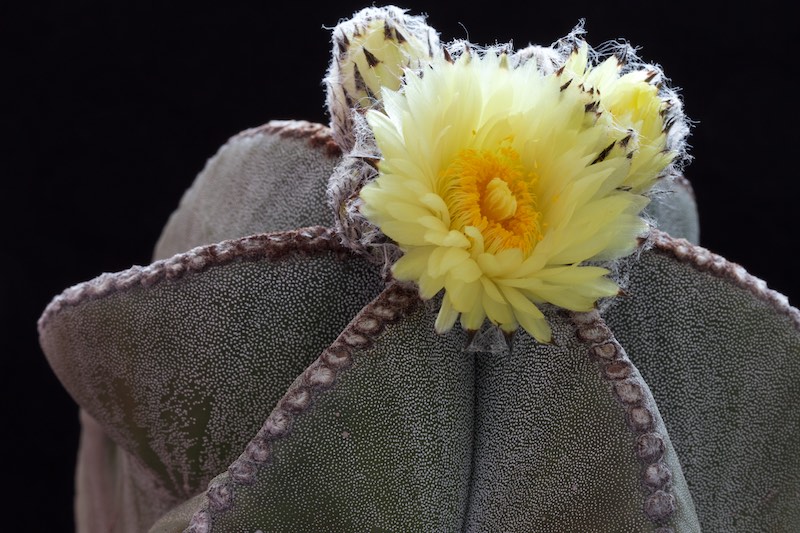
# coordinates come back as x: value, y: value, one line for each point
x: 371, y: 51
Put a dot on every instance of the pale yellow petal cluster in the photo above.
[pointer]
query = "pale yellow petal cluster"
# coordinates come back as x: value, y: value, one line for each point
x: 499, y: 183
x: 634, y: 102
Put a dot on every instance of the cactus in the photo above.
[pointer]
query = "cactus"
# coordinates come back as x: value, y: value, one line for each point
x: 270, y: 372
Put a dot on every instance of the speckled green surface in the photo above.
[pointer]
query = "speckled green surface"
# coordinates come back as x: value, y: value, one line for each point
x: 419, y: 434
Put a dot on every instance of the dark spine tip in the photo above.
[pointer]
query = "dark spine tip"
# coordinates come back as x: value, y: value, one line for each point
x: 359, y: 79
x: 430, y: 46
x: 447, y: 56
x: 566, y: 84
x: 602, y: 155
x: 388, y: 31
x: 372, y: 61
x: 342, y: 44
x: 592, y: 107
x: 669, y: 123
x: 371, y: 161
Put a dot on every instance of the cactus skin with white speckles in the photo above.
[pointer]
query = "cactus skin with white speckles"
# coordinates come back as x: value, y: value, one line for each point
x: 275, y: 381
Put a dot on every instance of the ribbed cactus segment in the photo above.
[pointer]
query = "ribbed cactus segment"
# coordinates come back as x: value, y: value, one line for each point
x: 382, y: 425
x: 376, y: 435
x: 322, y: 400
x: 270, y: 178
x: 558, y: 439
x: 721, y: 354
x: 180, y: 362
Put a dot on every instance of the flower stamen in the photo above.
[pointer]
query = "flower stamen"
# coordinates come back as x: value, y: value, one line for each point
x: 488, y: 189
x: 498, y: 202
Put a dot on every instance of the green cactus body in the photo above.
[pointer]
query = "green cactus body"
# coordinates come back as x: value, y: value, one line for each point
x: 373, y: 421
x: 268, y: 373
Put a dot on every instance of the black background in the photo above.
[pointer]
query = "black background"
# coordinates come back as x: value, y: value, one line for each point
x: 111, y: 109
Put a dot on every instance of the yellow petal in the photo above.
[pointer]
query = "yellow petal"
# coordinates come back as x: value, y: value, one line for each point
x: 447, y: 316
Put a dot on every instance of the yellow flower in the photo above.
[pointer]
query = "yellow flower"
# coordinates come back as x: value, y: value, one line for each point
x: 499, y: 183
x: 634, y: 101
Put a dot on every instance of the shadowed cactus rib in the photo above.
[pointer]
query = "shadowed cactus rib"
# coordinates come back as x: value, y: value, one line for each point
x: 388, y: 447
x: 177, y: 519
x: 667, y: 496
x: 109, y: 484
x: 181, y: 361
x: 721, y: 353
x: 265, y: 179
x: 555, y: 451
x: 727, y: 388
x: 611, y: 450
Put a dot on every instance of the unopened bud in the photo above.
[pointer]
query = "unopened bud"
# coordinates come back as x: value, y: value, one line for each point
x: 371, y: 52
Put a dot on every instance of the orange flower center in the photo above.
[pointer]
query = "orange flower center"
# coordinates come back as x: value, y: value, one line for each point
x: 491, y: 191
